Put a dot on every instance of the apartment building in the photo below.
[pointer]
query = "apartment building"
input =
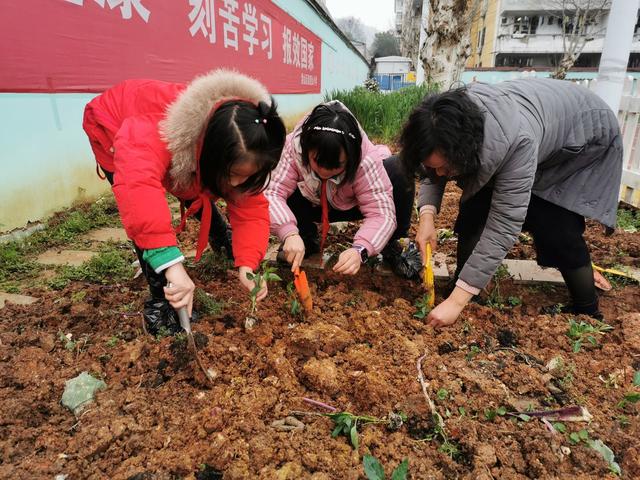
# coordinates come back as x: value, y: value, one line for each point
x: 528, y: 34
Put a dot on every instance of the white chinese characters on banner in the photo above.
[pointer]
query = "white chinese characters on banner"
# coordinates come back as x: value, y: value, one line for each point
x: 257, y: 29
x: 298, y: 52
x: 203, y: 19
x: 230, y: 26
x: 126, y: 7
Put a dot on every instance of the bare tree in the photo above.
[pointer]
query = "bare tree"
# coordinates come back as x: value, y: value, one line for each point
x: 582, y: 21
x: 448, y: 44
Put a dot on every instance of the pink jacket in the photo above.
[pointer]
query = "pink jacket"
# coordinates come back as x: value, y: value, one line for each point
x: 371, y: 192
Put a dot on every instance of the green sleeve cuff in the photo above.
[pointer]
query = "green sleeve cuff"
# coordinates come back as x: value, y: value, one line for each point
x: 162, y: 258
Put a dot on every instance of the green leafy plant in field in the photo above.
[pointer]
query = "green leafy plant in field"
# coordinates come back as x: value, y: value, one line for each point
x: 495, y: 298
x: 582, y: 436
x: 491, y: 414
x: 630, y: 398
x: 109, y: 266
x: 581, y: 332
x: 422, y: 306
x: 374, y: 471
x: 295, y: 308
x: 265, y: 274
x: 347, y: 424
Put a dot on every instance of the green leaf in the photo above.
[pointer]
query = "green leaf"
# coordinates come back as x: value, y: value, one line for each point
x: 462, y: 411
x: 337, y: 430
x: 559, y: 427
x: 574, y: 437
x: 583, y: 434
x: 636, y: 378
x: 354, y: 436
x: 632, y: 397
x: 524, y: 417
x: 372, y: 468
x: 576, y: 346
x: 502, y: 411
x: 400, y: 473
x: 442, y: 394
x: 607, y: 454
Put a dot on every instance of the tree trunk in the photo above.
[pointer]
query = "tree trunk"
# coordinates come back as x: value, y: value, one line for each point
x: 448, y: 45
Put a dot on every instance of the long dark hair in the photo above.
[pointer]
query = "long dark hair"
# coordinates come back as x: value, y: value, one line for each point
x: 449, y: 123
x: 329, y: 128
x: 239, y: 128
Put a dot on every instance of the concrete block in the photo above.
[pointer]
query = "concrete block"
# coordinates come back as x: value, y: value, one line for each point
x: 108, y: 234
x: 17, y: 299
x: 528, y: 271
x: 65, y: 257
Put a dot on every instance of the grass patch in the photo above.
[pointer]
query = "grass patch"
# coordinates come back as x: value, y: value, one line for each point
x: 17, y: 257
x: 382, y: 115
x: 629, y: 220
x: 109, y: 266
x: 206, y: 304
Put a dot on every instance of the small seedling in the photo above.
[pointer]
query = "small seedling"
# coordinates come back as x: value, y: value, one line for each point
x: 374, y: 471
x: 629, y: 398
x: 112, y: 342
x: 347, y: 424
x: 636, y: 378
x: 266, y: 275
x: 490, y: 414
x: 445, y: 234
x: 442, y: 394
x: 623, y: 420
x: 579, y: 436
x: 473, y: 351
x: 514, y: 301
x: 294, y: 304
x: 599, y: 446
x: 422, y: 306
x: 69, y: 344
x: 495, y: 298
x: 559, y: 427
x: 579, y: 332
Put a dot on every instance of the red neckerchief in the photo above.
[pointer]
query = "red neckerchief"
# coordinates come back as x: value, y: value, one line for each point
x: 325, y: 213
x: 204, y: 198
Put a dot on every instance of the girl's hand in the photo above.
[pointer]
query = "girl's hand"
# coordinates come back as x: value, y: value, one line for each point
x: 250, y: 284
x: 448, y: 311
x: 293, y: 249
x: 348, y: 262
x: 180, y: 293
x: 426, y: 233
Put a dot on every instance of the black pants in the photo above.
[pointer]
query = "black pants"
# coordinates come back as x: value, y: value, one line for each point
x: 308, y: 214
x: 157, y: 281
x: 556, y: 231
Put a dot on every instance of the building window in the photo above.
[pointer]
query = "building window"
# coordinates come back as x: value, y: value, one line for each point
x: 526, y: 25
x: 550, y: 20
x: 481, y: 39
x: 504, y: 20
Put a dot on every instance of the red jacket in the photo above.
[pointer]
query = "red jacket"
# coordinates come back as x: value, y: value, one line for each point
x: 147, y: 133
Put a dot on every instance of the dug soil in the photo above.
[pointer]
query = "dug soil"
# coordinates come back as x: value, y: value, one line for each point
x: 160, y: 419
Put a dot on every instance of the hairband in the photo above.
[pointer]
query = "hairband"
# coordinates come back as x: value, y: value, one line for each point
x: 334, y: 130
x: 264, y: 120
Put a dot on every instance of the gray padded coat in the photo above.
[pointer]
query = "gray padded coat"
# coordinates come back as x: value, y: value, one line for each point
x: 550, y: 138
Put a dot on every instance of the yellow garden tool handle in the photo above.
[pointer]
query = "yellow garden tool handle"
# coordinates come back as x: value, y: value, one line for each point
x: 611, y: 271
x: 427, y: 278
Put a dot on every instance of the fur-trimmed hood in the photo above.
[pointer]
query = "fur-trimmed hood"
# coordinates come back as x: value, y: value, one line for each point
x: 189, y: 114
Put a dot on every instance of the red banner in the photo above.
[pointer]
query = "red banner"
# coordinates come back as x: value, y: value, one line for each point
x: 89, y: 45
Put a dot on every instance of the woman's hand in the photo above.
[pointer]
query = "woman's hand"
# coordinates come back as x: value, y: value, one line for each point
x: 348, y: 262
x: 180, y: 293
x: 293, y: 249
x: 448, y: 311
x: 426, y: 233
x: 250, y: 284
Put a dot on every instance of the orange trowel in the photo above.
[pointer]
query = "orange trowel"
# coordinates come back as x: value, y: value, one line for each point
x: 302, y: 287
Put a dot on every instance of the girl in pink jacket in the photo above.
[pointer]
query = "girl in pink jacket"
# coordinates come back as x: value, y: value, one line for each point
x: 330, y: 171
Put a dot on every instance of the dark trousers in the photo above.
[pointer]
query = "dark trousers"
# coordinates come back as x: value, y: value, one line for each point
x: 556, y: 231
x: 308, y: 214
x: 157, y: 281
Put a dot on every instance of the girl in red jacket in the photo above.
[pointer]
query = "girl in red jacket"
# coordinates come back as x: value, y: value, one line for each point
x: 219, y: 136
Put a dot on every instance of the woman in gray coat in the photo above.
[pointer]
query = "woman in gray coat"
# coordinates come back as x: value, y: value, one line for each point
x: 532, y: 154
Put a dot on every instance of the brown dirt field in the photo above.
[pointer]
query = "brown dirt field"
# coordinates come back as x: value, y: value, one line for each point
x: 357, y: 351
